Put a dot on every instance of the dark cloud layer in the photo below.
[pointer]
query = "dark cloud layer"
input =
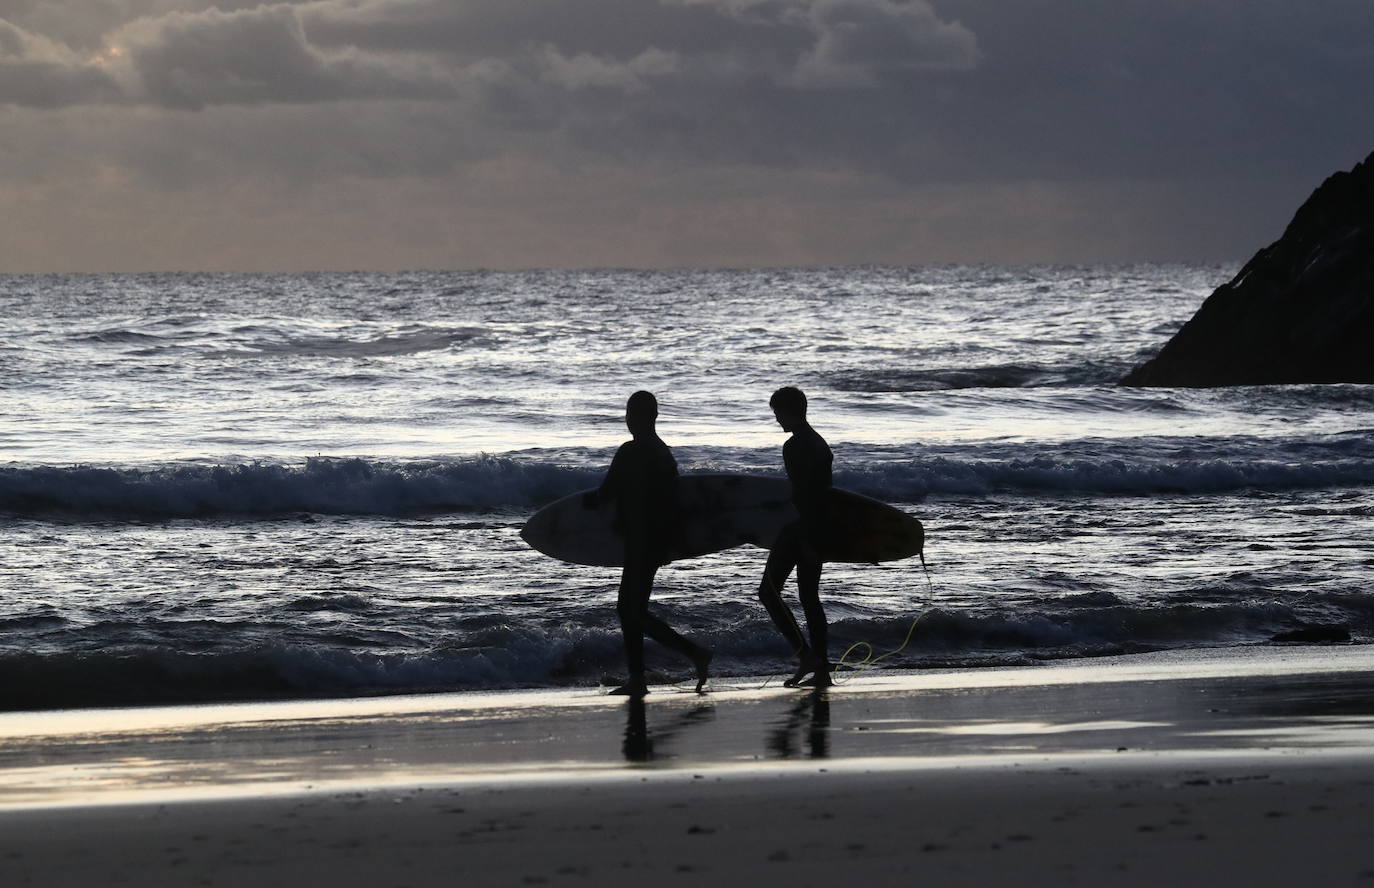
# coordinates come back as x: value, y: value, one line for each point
x: 364, y: 49
x: 1059, y: 129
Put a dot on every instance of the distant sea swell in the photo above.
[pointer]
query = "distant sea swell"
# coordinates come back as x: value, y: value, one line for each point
x: 974, y: 377
x: 356, y: 486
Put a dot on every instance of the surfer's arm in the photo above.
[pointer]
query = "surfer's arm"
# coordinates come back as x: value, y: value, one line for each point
x: 611, y: 484
x: 808, y: 488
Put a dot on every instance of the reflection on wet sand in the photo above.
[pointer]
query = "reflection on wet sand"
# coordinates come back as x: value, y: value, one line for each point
x: 639, y: 745
x: 808, y: 718
x: 803, y: 731
x: 1231, y: 700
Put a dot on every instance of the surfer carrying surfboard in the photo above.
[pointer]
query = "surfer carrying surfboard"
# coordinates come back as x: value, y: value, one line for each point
x: 642, y: 483
x: 808, y: 460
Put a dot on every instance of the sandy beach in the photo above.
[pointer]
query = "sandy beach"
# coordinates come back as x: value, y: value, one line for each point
x: 1253, y: 765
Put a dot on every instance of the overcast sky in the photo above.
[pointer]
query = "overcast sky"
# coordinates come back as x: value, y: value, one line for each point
x: 385, y: 134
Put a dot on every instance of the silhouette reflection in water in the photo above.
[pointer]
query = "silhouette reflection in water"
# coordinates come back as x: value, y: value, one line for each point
x: 808, y: 719
x: 639, y: 742
x: 637, y: 746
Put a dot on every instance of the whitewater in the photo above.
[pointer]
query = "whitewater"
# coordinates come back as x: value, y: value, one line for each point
x: 259, y: 486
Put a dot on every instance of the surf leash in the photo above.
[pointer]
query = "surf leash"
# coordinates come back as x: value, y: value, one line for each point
x: 870, y: 661
x: 867, y: 663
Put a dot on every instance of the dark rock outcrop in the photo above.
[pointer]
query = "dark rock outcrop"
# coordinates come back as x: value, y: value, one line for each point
x: 1300, y: 311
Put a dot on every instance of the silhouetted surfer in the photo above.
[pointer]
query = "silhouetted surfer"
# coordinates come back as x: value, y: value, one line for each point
x: 642, y: 482
x: 808, y: 461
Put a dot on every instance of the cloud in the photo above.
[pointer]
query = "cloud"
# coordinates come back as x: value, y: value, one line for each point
x: 980, y: 116
x: 858, y: 41
x: 188, y: 60
x: 799, y: 43
x: 585, y: 71
x: 339, y: 50
x: 257, y: 56
x: 83, y: 24
x: 38, y: 73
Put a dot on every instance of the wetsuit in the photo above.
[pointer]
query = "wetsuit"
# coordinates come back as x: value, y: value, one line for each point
x: 642, y: 481
x: 801, y: 545
x: 808, y: 461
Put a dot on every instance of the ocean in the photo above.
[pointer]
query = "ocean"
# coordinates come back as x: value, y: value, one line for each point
x: 225, y: 486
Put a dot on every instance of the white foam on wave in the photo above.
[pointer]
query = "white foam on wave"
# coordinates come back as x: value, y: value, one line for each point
x: 1103, y: 476
x: 328, y: 486
x: 525, y: 481
x: 582, y: 649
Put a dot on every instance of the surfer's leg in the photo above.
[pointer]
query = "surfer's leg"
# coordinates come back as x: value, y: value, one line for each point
x: 669, y: 637
x: 636, y: 579
x: 809, y: 591
x: 775, y: 574
x: 657, y: 553
x: 781, y: 559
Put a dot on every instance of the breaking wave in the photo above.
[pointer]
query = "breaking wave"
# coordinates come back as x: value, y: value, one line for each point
x: 520, y: 482
x: 582, y: 650
x: 322, y: 485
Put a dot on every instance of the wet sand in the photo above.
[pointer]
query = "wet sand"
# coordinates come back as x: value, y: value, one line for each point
x: 1252, y: 765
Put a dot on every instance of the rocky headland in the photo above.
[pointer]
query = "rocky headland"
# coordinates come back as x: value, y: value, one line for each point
x: 1300, y: 311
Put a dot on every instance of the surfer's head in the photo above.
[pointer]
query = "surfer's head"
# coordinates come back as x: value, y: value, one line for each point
x: 641, y: 412
x: 789, y: 406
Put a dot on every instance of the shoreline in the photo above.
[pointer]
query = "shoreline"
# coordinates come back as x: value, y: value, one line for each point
x: 1227, y: 701
x: 1236, y: 764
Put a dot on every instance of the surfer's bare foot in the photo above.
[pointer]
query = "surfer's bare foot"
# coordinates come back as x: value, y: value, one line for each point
x: 809, y: 664
x: 630, y: 689
x: 805, y: 665
x: 702, y: 662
